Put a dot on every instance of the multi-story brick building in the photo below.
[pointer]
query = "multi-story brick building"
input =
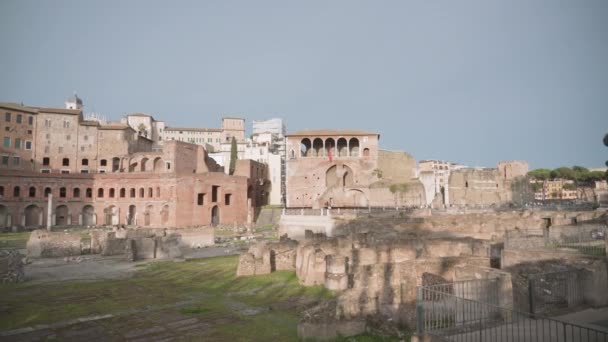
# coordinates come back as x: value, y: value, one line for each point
x: 110, y: 174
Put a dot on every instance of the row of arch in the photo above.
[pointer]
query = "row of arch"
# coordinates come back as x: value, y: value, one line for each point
x: 144, y: 164
x: 321, y: 148
x: 32, y: 192
x: 32, y: 216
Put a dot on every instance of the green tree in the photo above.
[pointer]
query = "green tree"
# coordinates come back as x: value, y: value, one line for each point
x: 233, y: 156
x: 540, y: 174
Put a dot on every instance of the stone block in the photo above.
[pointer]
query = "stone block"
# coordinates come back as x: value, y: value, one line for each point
x: 145, y: 248
x: 43, y: 243
x: 114, y: 246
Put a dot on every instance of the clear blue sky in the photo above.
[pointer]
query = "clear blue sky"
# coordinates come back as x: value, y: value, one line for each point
x: 468, y: 81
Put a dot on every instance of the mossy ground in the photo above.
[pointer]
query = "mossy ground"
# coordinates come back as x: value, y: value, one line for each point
x: 14, y: 240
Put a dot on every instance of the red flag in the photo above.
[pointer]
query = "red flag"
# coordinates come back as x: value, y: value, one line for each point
x: 329, y: 152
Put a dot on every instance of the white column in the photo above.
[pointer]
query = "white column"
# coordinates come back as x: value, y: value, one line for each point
x: 49, y: 212
x: 95, y: 219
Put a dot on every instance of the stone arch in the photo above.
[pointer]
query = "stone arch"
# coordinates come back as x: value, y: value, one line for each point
x: 342, y: 146
x: 16, y: 192
x: 100, y: 192
x: 142, y: 192
x: 115, y: 164
x: 123, y: 192
x: 111, y: 193
x: 4, y: 216
x: 76, y: 193
x: 366, y: 152
x: 339, y: 176
x: 32, y: 191
x: 132, y: 165
x: 357, y: 198
x: 164, y: 215
x: 143, y: 165
x: 47, y: 191
x: 159, y: 166
x: 89, y: 193
x: 353, y: 147
x: 132, y: 193
x: 150, y: 192
x: 33, y: 216
x: 215, y: 215
x: 88, y: 215
x: 62, y: 214
x: 305, y: 147
x: 111, y: 214
x: 317, y: 147
x: 131, y: 218
x: 148, y: 214
x: 330, y: 145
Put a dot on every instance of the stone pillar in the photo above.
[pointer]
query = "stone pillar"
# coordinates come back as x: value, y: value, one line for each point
x: 95, y: 219
x: 69, y: 219
x: 23, y: 219
x: 49, y: 212
x: 53, y: 220
x: 80, y: 222
x: 9, y: 220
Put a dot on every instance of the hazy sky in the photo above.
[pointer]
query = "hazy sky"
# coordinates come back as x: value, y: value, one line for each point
x: 467, y: 81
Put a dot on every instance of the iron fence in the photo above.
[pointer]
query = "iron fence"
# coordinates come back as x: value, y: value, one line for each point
x: 555, y: 291
x: 585, y: 241
x: 450, y: 317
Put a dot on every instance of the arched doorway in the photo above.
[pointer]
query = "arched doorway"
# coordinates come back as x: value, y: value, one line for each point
x: 32, y: 215
x: 3, y: 216
x: 147, y: 215
x: 158, y: 165
x: 215, y: 215
x: 88, y: 215
x: 61, y: 215
x: 132, y: 212
x: 339, y: 176
x: 164, y: 215
x: 111, y: 215
x: 143, y: 165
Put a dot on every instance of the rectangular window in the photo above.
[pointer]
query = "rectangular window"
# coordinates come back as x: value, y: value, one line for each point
x: 17, y: 143
x: 201, y: 199
x: 102, y: 171
x: 45, y: 171
x: 227, y: 199
x: 65, y: 171
x: 84, y: 171
x: 47, y: 149
x: 16, y: 161
x: 68, y: 137
x: 46, y: 161
x: 29, y: 131
x: 6, y: 142
x: 30, y: 120
x: 7, y: 117
x: 19, y: 118
x: 60, y: 149
x: 5, y: 160
x: 28, y: 145
x: 214, y: 191
x: 47, y: 123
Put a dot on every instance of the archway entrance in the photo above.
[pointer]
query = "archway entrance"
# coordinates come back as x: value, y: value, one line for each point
x: 3, y: 216
x: 147, y: 215
x: 32, y: 216
x: 88, y: 215
x: 164, y: 215
x: 215, y: 216
x: 61, y: 215
x: 111, y: 215
x: 132, y: 213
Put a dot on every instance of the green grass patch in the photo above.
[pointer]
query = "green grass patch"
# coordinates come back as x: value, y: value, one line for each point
x: 209, y: 284
x: 14, y: 240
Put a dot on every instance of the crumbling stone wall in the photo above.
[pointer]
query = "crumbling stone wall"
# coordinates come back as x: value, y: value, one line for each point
x: 264, y: 258
x: 43, y: 243
x: 11, y: 267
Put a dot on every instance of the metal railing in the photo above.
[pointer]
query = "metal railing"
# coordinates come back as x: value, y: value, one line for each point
x: 583, y: 241
x: 554, y: 291
x: 453, y: 318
